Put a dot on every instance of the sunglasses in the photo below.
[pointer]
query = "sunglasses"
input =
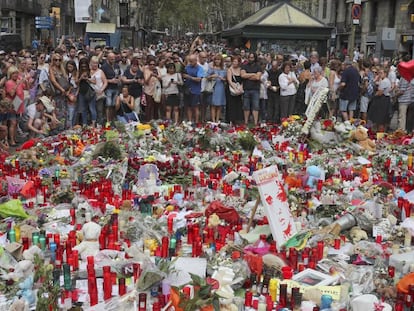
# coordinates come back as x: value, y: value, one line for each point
x: 57, y: 59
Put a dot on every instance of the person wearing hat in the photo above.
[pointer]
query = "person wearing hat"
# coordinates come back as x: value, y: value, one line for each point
x: 33, y: 120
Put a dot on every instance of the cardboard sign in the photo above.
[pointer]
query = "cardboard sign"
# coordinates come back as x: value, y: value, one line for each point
x: 274, y: 200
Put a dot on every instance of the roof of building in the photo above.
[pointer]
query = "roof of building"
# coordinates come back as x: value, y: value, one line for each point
x: 282, y: 14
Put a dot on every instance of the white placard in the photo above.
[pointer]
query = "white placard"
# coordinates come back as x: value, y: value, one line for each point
x: 274, y: 200
x: 82, y: 9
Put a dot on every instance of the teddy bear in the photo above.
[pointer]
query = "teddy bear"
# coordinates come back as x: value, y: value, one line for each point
x: 90, y: 244
x: 360, y: 134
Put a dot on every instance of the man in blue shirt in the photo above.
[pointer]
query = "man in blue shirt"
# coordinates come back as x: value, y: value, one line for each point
x: 193, y: 76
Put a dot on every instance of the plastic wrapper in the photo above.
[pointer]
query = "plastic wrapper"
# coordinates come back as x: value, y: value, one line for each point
x: 361, y: 279
x: 226, y: 213
x: 12, y: 208
x: 7, y: 261
x: 368, y: 249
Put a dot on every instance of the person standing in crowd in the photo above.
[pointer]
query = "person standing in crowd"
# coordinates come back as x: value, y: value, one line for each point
x: 217, y: 73
x: 349, y: 90
x: 273, y: 93
x: 264, y: 84
x: 86, y: 99
x: 205, y: 96
x: 151, y: 85
x: 99, y: 86
x: 124, y: 63
x: 288, y: 83
x: 334, y: 82
x: 170, y: 82
x: 14, y: 91
x: 134, y: 78
x: 60, y: 83
x: 404, y: 100
x: 234, y: 105
x: 112, y: 74
x: 251, y: 74
x: 314, y: 60
x: 319, y: 81
x: 304, y: 79
x: 367, y: 88
x: 194, y: 73
x: 378, y: 112
x: 72, y: 72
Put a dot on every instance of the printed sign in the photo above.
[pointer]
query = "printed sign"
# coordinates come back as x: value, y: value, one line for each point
x: 274, y: 200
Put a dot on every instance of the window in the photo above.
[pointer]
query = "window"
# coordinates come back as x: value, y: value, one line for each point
x: 391, y: 14
x: 374, y: 17
x: 324, y: 9
x: 123, y: 14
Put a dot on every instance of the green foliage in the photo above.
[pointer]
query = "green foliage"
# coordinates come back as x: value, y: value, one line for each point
x: 247, y: 141
x: 203, y: 295
x: 110, y: 150
x: 48, y: 293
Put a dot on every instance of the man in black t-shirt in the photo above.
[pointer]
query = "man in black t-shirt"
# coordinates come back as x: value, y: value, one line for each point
x: 134, y: 78
x: 273, y: 93
x: 251, y: 73
x: 112, y: 73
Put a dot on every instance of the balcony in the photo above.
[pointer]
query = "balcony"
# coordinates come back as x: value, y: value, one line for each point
x: 32, y: 7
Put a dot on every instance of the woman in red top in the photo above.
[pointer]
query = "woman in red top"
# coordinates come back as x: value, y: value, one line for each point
x: 15, y: 86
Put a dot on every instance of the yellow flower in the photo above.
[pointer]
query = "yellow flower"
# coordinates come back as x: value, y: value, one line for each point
x: 285, y: 123
x: 143, y: 127
x: 295, y: 117
x: 150, y: 159
x: 162, y: 127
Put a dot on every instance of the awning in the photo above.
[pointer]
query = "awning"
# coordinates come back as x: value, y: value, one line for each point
x: 100, y: 28
x: 388, y: 45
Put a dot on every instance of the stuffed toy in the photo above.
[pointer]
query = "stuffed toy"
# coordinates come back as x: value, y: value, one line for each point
x: 90, y: 244
x: 315, y: 174
x: 360, y: 134
x: 357, y: 234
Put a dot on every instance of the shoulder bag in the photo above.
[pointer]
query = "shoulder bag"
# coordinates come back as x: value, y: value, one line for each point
x: 238, y: 90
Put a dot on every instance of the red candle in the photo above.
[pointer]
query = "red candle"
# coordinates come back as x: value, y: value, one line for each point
x: 337, y: 243
x: 142, y: 302
x: 107, y: 282
x: 121, y: 287
x: 136, y: 271
x: 164, y: 247
x: 320, y: 249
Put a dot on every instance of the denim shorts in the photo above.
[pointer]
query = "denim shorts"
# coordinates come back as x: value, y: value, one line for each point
x: 195, y: 100
x: 251, y: 99
x: 346, y: 105
x: 111, y: 95
x: 363, y: 104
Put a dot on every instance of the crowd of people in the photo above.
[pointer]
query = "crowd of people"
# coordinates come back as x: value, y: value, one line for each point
x: 43, y: 93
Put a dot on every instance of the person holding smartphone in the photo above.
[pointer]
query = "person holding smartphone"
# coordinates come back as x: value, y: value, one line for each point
x: 170, y: 82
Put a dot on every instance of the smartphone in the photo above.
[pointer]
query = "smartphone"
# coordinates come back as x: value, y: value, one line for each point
x: 172, y: 80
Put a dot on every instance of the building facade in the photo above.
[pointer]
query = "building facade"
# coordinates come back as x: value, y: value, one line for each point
x: 385, y: 28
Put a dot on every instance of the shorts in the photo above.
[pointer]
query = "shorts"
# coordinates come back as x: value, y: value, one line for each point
x: 111, y: 95
x: 251, y: 99
x: 3, y: 117
x: 172, y: 100
x: 345, y: 105
x: 363, y: 104
x: 194, y: 100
